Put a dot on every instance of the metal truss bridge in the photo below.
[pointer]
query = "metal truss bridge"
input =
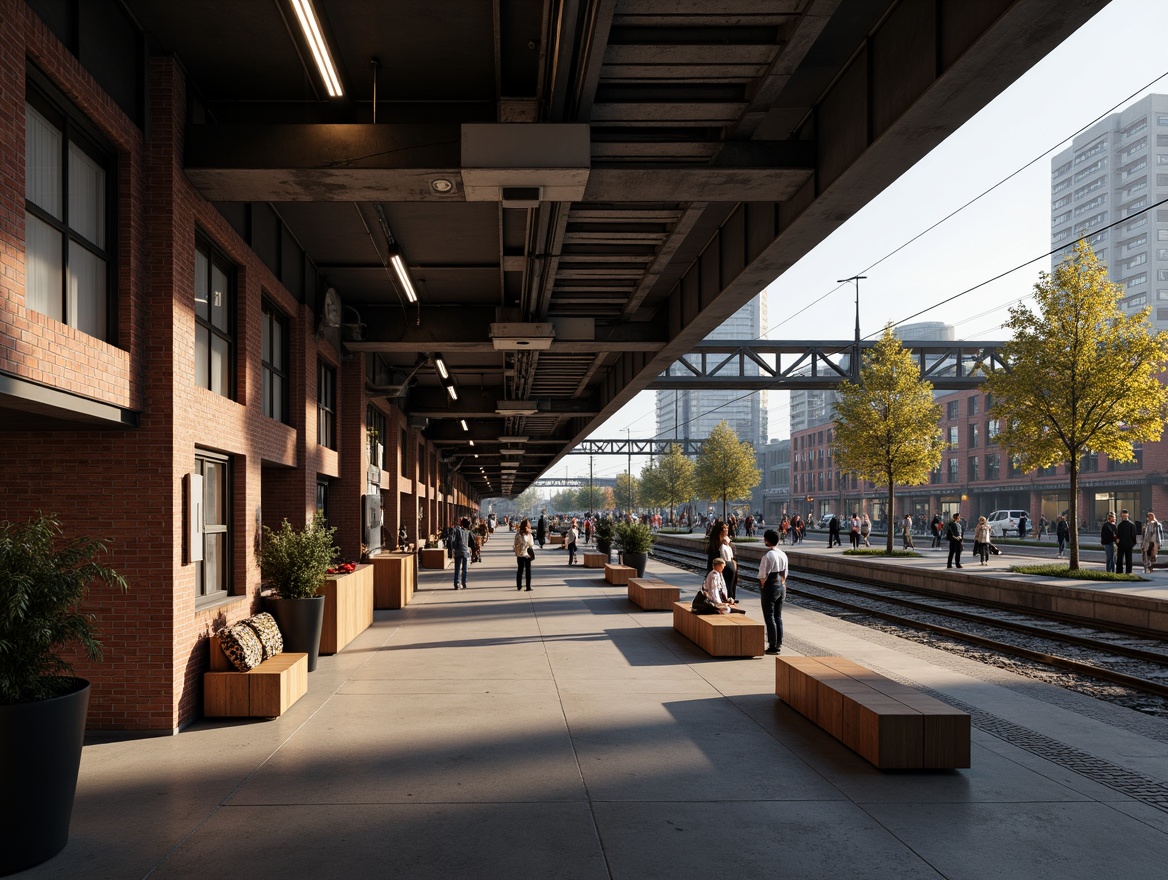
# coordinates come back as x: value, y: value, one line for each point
x: 759, y: 365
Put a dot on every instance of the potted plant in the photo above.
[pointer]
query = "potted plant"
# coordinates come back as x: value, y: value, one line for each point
x: 605, y: 529
x: 43, y: 580
x: 294, y: 563
x: 634, y: 540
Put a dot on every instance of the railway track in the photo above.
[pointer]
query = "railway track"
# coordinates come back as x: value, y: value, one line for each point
x: 1128, y: 658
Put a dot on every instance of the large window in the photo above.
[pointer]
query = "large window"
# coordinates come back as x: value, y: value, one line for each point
x: 993, y: 465
x: 275, y: 364
x: 954, y: 465
x: 68, y: 227
x: 326, y: 406
x: 973, y: 472
x: 376, y: 426
x: 214, y: 321
x: 213, y: 573
x: 1134, y: 465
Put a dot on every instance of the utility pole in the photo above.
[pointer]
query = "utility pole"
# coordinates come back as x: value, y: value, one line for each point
x: 629, y: 447
x: 590, y: 487
x: 855, y: 365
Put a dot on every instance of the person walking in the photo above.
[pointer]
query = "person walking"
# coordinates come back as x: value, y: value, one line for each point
x: 953, y: 533
x: 981, y: 540
x: 524, y: 552
x: 938, y: 527
x: 854, y: 531
x: 587, y: 530
x: 1125, y: 540
x: 1153, y: 540
x: 833, y: 533
x: 865, y: 529
x: 1108, y: 536
x: 1062, y: 531
x: 541, y: 528
x: 772, y: 580
x: 1022, y: 526
x: 570, y: 539
x: 460, y: 539
x: 907, y: 529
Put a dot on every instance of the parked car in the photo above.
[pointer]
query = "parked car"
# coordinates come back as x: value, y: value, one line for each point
x: 1005, y: 522
x: 825, y: 520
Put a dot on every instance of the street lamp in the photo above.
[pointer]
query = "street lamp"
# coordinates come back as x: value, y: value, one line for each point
x: 855, y: 370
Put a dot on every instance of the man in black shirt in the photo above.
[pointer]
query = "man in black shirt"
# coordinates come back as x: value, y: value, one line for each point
x: 1125, y: 540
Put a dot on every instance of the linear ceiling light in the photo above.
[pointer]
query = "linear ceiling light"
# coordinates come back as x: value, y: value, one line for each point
x: 452, y: 391
x: 440, y: 366
x: 463, y: 423
x: 403, y: 274
x: 306, y: 15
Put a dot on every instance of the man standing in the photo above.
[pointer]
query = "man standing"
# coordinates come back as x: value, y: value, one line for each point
x: 953, y: 533
x: 772, y: 579
x: 570, y: 541
x: 908, y: 527
x: 1108, y: 537
x: 1125, y: 540
x: 541, y: 528
x: 833, y: 533
x: 460, y: 539
x: 1022, y: 526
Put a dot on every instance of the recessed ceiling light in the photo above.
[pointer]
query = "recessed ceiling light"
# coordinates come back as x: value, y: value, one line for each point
x: 442, y: 185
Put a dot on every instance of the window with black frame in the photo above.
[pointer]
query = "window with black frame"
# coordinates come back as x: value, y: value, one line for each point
x: 326, y: 405
x: 214, y: 320
x: 274, y: 363
x: 69, y: 217
x: 213, y: 573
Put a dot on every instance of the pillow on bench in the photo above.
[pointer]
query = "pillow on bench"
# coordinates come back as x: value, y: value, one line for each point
x: 242, y: 646
x: 268, y: 631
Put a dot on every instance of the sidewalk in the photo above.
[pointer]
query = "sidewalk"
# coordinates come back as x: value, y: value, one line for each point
x: 563, y: 733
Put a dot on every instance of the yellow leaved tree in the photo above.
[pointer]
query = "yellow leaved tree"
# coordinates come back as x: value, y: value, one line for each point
x: 1081, y: 375
x: 886, y: 427
x: 726, y: 467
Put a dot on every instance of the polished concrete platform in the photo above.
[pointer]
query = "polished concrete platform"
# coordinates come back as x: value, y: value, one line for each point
x: 565, y: 733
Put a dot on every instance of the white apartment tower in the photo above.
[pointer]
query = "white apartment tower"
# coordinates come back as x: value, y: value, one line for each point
x: 1111, y: 174
x: 694, y: 414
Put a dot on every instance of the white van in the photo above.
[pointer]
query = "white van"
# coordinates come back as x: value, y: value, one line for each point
x: 1004, y: 523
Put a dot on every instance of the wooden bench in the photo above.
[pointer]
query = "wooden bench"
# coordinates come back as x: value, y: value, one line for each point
x: 618, y: 574
x: 556, y: 538
x: 594, y: 560
x: 395, y: 577
x: 263, y: 692
x: 888, y: 723
x: 652, y: 594
x: 720, y: 635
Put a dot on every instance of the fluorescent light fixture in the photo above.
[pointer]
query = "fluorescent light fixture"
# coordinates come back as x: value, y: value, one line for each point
x: 403, y: 275
x: 511, y: 452
x: 452, y: 392
x: 511, y: 438
x: 471, y: 442
x: 309, y: 24
x: 516, y: 408
x: 440, y: 366
x: 463, y: 423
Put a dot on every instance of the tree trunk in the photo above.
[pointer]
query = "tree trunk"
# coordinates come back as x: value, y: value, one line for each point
x: 890, y: 517
x: 1073, y: 511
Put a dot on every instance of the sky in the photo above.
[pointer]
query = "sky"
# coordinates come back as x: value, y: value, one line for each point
x: 1112, y: 61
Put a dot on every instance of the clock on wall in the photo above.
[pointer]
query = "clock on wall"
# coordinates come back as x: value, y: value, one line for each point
x: 331, y: 313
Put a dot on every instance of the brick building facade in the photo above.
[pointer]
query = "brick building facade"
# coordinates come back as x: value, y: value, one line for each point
x: 147, y: 335
x: 976, y: 476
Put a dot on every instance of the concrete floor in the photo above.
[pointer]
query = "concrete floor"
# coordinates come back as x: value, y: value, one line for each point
x: 563, y: 733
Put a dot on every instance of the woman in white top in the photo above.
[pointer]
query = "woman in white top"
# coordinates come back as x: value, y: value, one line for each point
x: 865, y: 529
x: 981, y: 540
x: 524, y: 553
x: 1153, y: 540
x: 730, y: 573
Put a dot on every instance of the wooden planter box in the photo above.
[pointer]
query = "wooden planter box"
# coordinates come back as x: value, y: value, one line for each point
x: 434, y: 558
x: 348, y: 608
x: 395, y: 577
x: 652, y: 594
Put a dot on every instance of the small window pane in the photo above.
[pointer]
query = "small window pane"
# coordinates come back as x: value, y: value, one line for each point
x: 220, y: 366
x: 87, y: 292
x: 43, y: 268
x: 214, y: 555
x: 212, y: 496
x: 202, y: 307
x: 219, y: 302
x: 86, y: 196
x: 42, y: 162
x: 202, y: 357
x: 277, y: 346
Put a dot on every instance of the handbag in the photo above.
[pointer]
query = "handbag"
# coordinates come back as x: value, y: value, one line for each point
x: 531, y: 553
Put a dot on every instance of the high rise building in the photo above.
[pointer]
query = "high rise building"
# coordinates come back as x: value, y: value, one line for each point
x: 1114, y: 171
x: 694, y: 414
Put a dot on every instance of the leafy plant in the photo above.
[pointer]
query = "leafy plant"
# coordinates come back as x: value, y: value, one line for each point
x: 294, y: 562
x: 43, y: 579
x: 1083, y: 574
x: 634, y: 537
x: 605, y: 529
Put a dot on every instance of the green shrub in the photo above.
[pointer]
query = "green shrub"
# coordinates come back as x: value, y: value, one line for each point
x: 875, y: 551
x: 634, y: 537
x: 294, y: 562
x: 43, y: 579
x: 1080, y: 574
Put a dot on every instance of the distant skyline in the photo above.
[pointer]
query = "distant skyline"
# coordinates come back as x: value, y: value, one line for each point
x: 1115, y: 55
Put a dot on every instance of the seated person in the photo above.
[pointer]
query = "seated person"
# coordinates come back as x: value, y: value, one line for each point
x: 712, y: 598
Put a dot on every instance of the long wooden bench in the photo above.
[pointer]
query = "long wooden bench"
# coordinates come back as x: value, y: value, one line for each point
x: 653, y: 594
x: 618, y: 574
x: 556, y: 538
x: 594, y: 560
x: 267, y: 691
x: 720, y: 635
x: 888, y: 723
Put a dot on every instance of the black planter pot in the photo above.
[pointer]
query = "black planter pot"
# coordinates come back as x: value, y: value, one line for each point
x: 603, y: 546
x: 635, y: 560
x: 300, y: 622
x: 40, y: 753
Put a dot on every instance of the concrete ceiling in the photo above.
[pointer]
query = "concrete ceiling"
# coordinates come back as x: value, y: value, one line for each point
x: 671, y: 158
